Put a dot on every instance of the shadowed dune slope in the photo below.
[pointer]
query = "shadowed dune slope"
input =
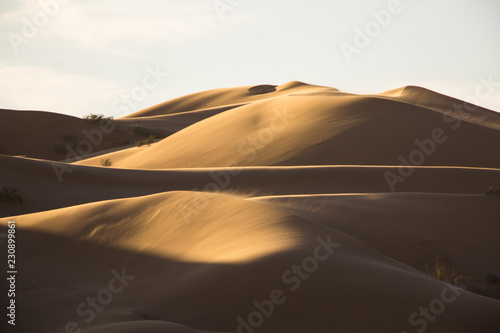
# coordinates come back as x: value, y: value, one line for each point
x: 210, y: 272
x: 42, y: 189
x: 54, y: 136
x: 37, y: 133
x: 451, y: 106
x: 414, y: 228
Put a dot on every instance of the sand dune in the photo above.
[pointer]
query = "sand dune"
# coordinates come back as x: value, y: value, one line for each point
x: 420, y: 226
x: 172, y: 123
x: 155, y: 225
x: 83, y: 184
x: 268, y: 208
x: 328, y: 129
x: 226, y: 97
x: 59, y: 137
x: 228, y: 259
x: 454, y: 107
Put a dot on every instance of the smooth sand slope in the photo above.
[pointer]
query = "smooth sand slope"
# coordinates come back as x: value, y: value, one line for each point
x: 324, y: 128
x: 228, y: 98
x: 442, y: 103
x: 265, y: 209
x: 42, y: 189
x: 207, y: 272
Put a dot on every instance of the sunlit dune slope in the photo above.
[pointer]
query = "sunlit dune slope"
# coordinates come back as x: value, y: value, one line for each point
x: 226, y: 97
x: 220, y: 229
x: 329, y: 128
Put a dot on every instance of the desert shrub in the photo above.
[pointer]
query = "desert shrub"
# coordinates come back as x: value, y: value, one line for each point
x: 147, y: 141
x: 145, y: 132
x: 96, y: 119
x: 106, y: 162
x: 445, y: 272
x: 10, y: 194
x: 492, y: 190
x: 150, y: 140
x: 492, y: 278
x: 139, y: 129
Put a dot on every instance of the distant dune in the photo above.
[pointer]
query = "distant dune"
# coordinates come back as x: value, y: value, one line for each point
x: 317, y: 126
x: 268, y: 208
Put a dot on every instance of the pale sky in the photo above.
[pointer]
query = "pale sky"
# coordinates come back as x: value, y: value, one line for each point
x: 76, y: 57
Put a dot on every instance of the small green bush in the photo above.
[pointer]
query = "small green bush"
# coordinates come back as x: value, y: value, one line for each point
x: 147, y: 141
x: 445, y: 272
x: 492, y: 278
x: 140, y: 130
x: 150, y: 140
x: 96, y: 119
x: 10, y: 194
x: 492, y: 190
x: 143, y: 131
x: 106, y: 162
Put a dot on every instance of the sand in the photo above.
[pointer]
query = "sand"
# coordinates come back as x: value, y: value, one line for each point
x: 269, y: 208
